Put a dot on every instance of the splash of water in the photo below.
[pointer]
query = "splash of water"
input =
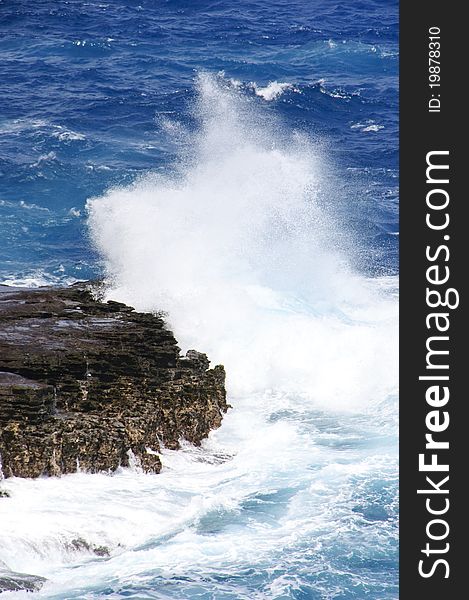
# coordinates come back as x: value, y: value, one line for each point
x: 236, y: 246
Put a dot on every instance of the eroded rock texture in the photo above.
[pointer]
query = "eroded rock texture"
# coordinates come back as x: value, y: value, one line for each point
x: 10, y: 581
x: 95, y: 385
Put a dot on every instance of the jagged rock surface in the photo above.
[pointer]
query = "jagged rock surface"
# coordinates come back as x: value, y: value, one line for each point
x: 10, y: 581
x: 94, y: 385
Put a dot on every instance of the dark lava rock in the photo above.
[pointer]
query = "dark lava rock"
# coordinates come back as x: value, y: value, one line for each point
x: 95, y: 385
x: 15, y: 582
x: 81, y: 545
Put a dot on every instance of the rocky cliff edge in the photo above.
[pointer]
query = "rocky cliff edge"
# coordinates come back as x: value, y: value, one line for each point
x: 93, y: 385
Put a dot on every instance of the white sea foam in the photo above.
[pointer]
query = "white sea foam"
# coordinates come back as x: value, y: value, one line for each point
x: 67, y: 135
x: 19, y: 126
x: 33, y: 206
x: 38, y: 278
x: 258, y: 489
x: 273, y: 90
x: 372, y: 128
x: 269, y: 92
x: 24, y: 205
x: 367, y: 126
x: 44, y: 158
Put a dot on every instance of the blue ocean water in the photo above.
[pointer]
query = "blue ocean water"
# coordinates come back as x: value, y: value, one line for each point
x: 83, y: 85
x: 234, y: 164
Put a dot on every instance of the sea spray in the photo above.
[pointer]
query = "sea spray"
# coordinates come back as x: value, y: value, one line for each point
x: 236, y: 247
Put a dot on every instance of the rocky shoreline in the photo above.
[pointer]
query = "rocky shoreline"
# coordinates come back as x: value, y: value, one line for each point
x: 92, y: 385
x: 11, y: 581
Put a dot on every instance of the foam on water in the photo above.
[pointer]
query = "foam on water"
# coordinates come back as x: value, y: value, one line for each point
x: 298, y: 485
x: 272, y: 91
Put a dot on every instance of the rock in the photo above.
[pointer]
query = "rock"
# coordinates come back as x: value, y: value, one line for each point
x: 93, y: 385
x: 10, y: 581
x: 81, y: 545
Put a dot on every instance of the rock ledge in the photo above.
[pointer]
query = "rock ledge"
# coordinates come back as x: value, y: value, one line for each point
x: 93, y: 386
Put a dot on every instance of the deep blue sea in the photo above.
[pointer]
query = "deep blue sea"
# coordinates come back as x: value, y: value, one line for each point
x: 234, y: 164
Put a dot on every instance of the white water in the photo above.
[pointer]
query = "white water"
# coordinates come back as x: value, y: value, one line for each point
x: 236, y: 247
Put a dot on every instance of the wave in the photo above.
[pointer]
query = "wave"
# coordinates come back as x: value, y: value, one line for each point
x: 367, y: 126
x: 39, y: 127
x: 273, y: 90
x: 236, y: 246
x: 39, y: 278
x: 296, y: 493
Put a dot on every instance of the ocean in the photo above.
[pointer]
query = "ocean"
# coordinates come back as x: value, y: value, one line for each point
x: 234, y: 165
